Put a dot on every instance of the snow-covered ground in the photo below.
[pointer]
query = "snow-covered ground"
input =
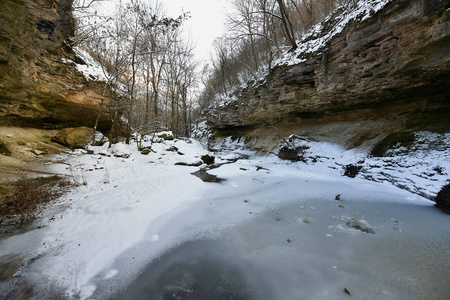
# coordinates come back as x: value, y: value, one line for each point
x: 272, y: 229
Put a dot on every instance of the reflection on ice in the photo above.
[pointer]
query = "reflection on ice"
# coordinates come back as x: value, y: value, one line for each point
x: 279, y: 256
x: 196, y: 270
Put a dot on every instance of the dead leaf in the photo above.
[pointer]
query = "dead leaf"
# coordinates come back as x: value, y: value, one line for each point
x: 289, y: 241
x: 341, y: 206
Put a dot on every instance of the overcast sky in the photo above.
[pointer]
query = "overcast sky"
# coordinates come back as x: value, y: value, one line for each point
x: 206, y: 22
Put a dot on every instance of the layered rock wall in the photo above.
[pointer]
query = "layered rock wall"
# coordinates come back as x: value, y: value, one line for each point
x: 36, y: 88
x: 394, y: 65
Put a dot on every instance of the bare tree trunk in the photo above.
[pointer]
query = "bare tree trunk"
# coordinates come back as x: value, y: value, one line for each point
x: 287, y: 24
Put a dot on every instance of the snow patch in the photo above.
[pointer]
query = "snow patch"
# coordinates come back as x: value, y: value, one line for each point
x: 91, y: 69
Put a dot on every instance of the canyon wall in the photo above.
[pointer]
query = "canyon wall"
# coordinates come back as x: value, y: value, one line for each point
x: 37, y: 89
x: 387, y: 73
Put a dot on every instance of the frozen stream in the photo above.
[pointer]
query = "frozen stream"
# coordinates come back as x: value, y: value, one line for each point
x: 276, y: 255
x: 144, y: 228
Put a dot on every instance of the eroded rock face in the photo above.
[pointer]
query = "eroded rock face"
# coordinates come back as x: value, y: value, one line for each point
x: 400, y: 55
x: 36, y: 88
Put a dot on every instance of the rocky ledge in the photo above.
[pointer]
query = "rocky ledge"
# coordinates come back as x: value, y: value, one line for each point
x: 392, y: 67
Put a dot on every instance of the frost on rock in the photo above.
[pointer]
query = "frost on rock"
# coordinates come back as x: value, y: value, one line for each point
x: 316, y: 39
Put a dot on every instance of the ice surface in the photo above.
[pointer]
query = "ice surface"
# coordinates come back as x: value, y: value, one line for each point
x: 101, y: 236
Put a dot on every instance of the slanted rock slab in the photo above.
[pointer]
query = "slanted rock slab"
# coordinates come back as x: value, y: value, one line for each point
x: 443, y: 199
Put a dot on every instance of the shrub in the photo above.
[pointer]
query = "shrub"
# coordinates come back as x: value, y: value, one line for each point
x: 21, y: 200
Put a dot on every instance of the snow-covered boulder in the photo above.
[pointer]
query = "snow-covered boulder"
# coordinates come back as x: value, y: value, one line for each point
x: 120, y: 150
x: 166, y: 135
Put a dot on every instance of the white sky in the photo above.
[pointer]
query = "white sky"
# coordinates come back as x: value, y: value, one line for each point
x: 206, y: 22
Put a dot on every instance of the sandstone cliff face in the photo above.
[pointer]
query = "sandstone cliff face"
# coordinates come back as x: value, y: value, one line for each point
x: 36, y: 88
x: 394, y: 67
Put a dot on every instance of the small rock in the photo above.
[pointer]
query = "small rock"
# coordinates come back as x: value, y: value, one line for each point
x: 360, y: 225
x: 289, y: 241
x: 194, y: 164
x: 306, y: 220
x: 172, y: 149
x: 352, y: 170
x: 338, y: 197
x: 10, y: 135
x: 38, y: 152
x: 146, y: 151
x: 341, y: 206
x: 347, y: 292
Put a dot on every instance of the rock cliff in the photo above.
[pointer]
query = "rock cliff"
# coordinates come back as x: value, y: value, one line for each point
x: 385, y: 73
x: 36, y: 88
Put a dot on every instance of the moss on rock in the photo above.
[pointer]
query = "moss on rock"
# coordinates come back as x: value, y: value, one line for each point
x: 394, y: 140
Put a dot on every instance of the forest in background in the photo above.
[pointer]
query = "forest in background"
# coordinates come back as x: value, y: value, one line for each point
x: 152, y: 79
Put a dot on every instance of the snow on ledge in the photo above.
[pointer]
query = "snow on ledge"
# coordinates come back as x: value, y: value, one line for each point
x: 91, y: 70
x: 315, y: 40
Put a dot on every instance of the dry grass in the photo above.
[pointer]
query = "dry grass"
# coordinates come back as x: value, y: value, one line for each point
x: 21, y: 201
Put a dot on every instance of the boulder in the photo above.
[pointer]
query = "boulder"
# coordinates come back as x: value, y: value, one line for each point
x: 167, y: 136
x: 78, y: 137
x: 208, y: 159
x: 291, y: 153
x: 443, y: 199
x: 120, y: 150
x: 352, y: 170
